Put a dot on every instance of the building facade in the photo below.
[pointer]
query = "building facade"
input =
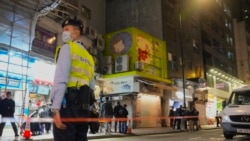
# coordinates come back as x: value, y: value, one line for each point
x: 200, y: 51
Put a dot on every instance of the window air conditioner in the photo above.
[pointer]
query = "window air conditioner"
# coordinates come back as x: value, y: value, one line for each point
x: 121, y: 63
x: 93, y: 51
x: 139, y: 66
x: 91, y: 32
x: 99, y: 43
x: 107, y: 65
x: 107, y: 60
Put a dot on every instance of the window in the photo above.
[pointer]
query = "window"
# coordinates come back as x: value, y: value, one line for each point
x: 230, y: 55
x: 240, y: 98
x: 86, y: 12
x: 172, y: 62
x: 195, y: 46
x: 170, y: 33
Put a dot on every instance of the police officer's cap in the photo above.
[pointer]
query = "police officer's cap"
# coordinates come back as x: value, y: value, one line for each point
x: 73, y: 22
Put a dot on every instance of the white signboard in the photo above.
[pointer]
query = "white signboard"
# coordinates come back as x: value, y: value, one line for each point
x: 119, y: 85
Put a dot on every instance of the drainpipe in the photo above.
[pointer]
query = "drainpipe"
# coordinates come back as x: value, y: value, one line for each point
x: 37, y: 15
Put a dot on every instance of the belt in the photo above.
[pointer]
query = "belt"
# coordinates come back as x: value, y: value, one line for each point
x: 68, y: 89
x: 72, y: 97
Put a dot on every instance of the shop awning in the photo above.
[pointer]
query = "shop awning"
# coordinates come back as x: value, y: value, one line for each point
x: 157, y: 84
x: 42, y: 82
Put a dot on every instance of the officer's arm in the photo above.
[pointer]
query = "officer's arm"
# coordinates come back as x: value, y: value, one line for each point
x: 61, y: 77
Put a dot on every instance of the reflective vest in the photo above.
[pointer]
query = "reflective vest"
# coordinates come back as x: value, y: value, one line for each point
x: 82, y: 65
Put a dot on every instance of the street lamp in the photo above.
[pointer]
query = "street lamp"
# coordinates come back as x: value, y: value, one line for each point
x: 182, y: 55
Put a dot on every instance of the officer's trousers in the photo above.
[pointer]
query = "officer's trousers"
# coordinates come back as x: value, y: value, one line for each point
x: 75, y: 131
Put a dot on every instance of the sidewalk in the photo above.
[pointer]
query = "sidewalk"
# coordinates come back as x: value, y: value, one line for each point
x: 8, y: 134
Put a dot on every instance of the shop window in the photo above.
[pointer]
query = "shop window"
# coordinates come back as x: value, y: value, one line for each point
x: 41, y: 89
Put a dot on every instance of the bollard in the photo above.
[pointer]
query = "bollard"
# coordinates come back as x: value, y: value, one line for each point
x: 27, y: 132
x: 129, y: 129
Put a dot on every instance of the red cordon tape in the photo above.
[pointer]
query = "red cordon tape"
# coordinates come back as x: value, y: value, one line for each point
x: 97, y: 119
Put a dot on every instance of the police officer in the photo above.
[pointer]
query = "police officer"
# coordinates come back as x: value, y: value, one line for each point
x: 74, y: 69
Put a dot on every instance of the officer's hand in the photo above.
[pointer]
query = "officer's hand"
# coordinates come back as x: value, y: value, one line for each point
x: 57, y: 120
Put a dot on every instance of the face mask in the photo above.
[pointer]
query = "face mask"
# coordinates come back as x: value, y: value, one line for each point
x: 66, y: 36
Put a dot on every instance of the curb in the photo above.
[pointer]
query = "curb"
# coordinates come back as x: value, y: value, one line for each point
x: 127, y: 135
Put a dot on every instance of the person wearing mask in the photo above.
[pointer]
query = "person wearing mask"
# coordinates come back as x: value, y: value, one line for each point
x: 72, y: 92
x: 7, y: 107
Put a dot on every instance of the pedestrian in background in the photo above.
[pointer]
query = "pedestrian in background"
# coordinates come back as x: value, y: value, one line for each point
x: 72, y: 92
x: 41, y: 114
x: 218, y: 117
x: 107, y: 114
x: 196, y: 119
x: 94, y: 125
x: 185, y: 118
x: 171, y: 116
x: 178, y: 117
x: 47, y: 114
x: 7, y: 108
x: 124, y: 116
x: 118, y: 116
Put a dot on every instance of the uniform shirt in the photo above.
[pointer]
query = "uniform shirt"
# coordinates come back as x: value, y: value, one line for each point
x: 62, y: 75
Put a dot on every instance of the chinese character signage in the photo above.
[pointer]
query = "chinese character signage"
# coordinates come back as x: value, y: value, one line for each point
x: 142, y: 48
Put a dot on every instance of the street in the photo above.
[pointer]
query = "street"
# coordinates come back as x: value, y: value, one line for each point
x: 203, y: 135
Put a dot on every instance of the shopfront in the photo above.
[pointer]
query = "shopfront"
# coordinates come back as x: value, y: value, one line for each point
x: 26, y: 77
x: 143, y: 98
x: 15, y: 73
x: 40, y: 86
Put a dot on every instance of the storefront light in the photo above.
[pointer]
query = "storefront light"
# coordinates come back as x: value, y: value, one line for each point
x: 179, y: 94
x: 51, y: 40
